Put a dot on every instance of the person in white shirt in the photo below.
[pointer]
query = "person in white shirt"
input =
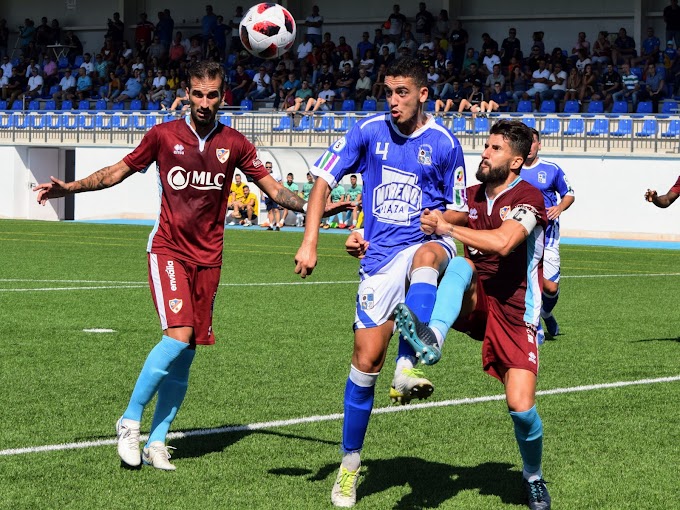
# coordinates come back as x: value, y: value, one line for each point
x: 540, y: 88
x: 260, y: 86
x: 324, y: 99
x: 304, y: 48
x: 67, y: 85
x: 87, y: 63
x: 314, y: 24
x: 558, y: 80
x: 6, y: 66
x: 157, y: 91
x: 3, y: 79
x: 490, y: 60
x: 35, y: 85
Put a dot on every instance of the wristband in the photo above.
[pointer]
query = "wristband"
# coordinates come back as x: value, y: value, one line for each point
x: 304, y: 207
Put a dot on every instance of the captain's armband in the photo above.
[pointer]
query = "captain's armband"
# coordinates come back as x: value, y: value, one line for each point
x: 524, y: 214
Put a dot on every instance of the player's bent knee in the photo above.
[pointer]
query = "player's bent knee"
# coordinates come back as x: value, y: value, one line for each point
x: 430, y: 255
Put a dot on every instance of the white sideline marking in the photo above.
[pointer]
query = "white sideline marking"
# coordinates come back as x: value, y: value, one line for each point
x: 332, y: 417
x: 99, y: 330
x: 143, y: 285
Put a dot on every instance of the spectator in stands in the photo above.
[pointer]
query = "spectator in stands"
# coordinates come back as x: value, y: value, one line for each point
x: 100, y: 76
x: 353, y: 195
x: 323, y: 75
x: 177, y: 52
x: 379, y: 83
x: 623, y: 48
x: 35, y: 85
x: 610, y: 84
x: 304, y: 48
x: 143, y: 32
x: 602, y: 50
x: 537, y: 38
x: 582, y: 61
x: 250, y: 207
x: 558, y: 56
x: 155, y: 50
x: 345, y: 83
x: 222, y: 36
x: 510, y: 47
x: 306, y: 190
x: 469, y: 60
x: 581, y: 44
x: 540, y: 88
x: 446, y: 78
x: 165, y: 26
x: 495, y: 77
x: 108, y: 52
x: 56, y: 32
x: 368, y: 62
x: 125, y: 50
x: 363, y: 86
x: 654, y: 87
x: 16, y: 84
x: 240, y: 84
x: 498, y: 100
x: 363, y: 45
x: 519, y: 83
x: 87, y: 64
x: 409, y: 43
x: 314, y: 24
x: 181, y: 99
x: 337, y: 195
x: 385, y: 58
x: 50, y: 71
x: 458, y: 40
x: 43, y: 35
x: 133, y: 87
x: 558, y: 83
x: 324, y: 99
x: 172, y: 79
x: 67, y: 86
x: 286, y: 95
x: 630, y: 88
x: 589, y: 82
x: 573, y: 85
x: 236, y: 44
x: 424, y: 22
x: 328, y: 45
x: 293, y: 188
x: 531, y: 62
x: 113, y: 88
x: 208, y: 24
x: 472, y: 75
x: 671, y: 16
x: 75, y: 46
x: 26, y: 35
x: 83, y: 85
x: 236, y: 196
x: 7, y: 65
x: 260, y: 86
x: 474, y: 100
x: 157, y: 91
x: 343, y: 47
x: 649, y: 52
x: 395, y: 24
x: 488, y: 42
x: 346, y: 59
x: 450, y: 100
x: 302, y: 96
x: 3, y: 82
x: 115, y: 31
x: 489, y: 61
x: 442, y: 26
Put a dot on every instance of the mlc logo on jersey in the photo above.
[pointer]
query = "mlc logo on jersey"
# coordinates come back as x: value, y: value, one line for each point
x: 179, y: 178
x: 398, y: 198
x: 222, y: 155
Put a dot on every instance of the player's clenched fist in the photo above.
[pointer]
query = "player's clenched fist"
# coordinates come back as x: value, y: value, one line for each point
x: 430, y: 221
x: 650, y: 194
x: 305, y: 260
x: 356, y: 245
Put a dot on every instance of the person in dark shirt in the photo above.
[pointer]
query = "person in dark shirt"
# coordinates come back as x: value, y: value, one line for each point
x: 510, y: 47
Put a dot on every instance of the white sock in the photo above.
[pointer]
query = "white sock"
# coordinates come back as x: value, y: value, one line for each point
x: 351, y: 461
x: 404, y: 363
x: 531, y: 477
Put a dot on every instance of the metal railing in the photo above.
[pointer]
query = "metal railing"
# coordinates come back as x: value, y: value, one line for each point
x: 628, y: 133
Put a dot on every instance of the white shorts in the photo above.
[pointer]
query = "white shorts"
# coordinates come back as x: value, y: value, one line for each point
x: 551, y: 262
x: 379, y: 294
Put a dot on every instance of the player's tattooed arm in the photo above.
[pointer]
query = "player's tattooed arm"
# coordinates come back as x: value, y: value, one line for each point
x: 289, y: 200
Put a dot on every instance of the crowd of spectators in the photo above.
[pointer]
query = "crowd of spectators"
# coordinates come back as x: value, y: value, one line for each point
x: 321, y: 71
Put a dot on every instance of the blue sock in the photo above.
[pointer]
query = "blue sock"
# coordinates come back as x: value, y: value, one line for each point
x: 420, y: 299
x: 154, y: 370
x: 359, y: 393
x: 549, y: 301
x: 529, y: 434
x: 171, y: 394
x: 455, y: 282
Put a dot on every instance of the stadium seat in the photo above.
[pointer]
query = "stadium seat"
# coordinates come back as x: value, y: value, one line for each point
x: 120, y: 105
x: 347, y: 122
x: 136, y: 105
x: 479, y: 125
x: 77, y: 61
x: 326, y: 124
x: 50, y: 105
x: 50, y: 121
x: 548, y: 106
x: 459, y: 125
x: 644, y: 107
x: 62, y: 63
x: 596, y: 107
x: 285, y: 124
x: 231, y: 61
x: 625, y: 128
x: 3, y: 104
x: 529, y: 122
x: 246, y: 105
x: 68, y: 121
x: 66, y: 104
x: 550, y: 127
x: 572, y: 106
x: 153, y: 106
x: 17, y: 105
x: 648, y: 128
x: 620, y: 107
x: 84, y: 104
x: 102, y: 121
x: 637, y: 71
x: 143, y: 121
x: 600, y: 127
x: 669, y: 107
x: 575, y: 127
x: 86, y: 121
x: 6, y: 120
x: 306, y: 123
x: 225, y: 119
x: 34, y: 105
x: 369, y: 105
x: 101, y: 105
x: 119, y: 121
x: 169, y: 117
x: 251, y: 73
x: 525, y: 106
x: 21, y: 120
x: 348, y: 105
x: 673, y: 129
x: 53, y: 90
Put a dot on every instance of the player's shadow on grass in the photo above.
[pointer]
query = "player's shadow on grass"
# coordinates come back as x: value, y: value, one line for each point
x: 199, y: 445
x: 670, y: 339
x: 431, y: 483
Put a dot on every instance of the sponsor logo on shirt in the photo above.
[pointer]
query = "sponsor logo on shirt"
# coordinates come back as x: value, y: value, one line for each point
x: 473, y: 214
x: 257, y: 163
x: 328, y: 161
x: 222, y: 155
x: 399, y: 198
x: 542, y: 177
x: 367, y: 299
x: 179, y: 179
x: 459, y: 177
x: 425, y: 155
x: 532, y: 358
x: 170, y: 271
x: 179, y: 149
x: 339, y: 145
x: 175, y: 305
x: 504, y: 212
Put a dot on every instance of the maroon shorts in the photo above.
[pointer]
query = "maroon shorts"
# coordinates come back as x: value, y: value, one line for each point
x: 508, y: 341
x: 184, y: 294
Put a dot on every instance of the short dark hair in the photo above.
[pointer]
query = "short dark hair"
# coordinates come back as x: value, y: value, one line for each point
x: 408, y: 67
x: 535, y: 133
x: 517, y: 134
x: 206, y: 69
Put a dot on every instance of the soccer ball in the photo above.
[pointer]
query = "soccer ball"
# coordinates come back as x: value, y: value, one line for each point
x: 267, y: 30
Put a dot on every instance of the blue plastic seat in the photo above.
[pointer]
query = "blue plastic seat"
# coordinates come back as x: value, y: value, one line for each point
x: 550, y: 127
x: 596, y: 107
x: 50, y: 105
x: 348, y: 105
x: 572, y: 106
x: 231, y: 60
x: 620, y: 107
x: 139, y: 121
x: 225, y: 119
x: 246, y: 105
x: 600, y: 127
x: 644, y: 107
x: 673, y: 129
x: 369, y: 105
x: 102, y: 121
x: 429, y: 106
x: 459, y: 125
x: 66, y: 104
x: 50, y: 121
x: 62, y: 63
x: 648, y: 128
x: 347, y: 122
x: 6, y: 120
x: 84, y: 104
x: 17, y: 105
x: 525, y: 106
x: 68, y: 121
x: 306, y: 124
x: 327, y: 123
x: 529, y: 122
x: 637, y: 71
x: 251, y: 73
x: 548, y: 106
x: 53, y: 90
x: 3, y: 104
x: 79, y: 59
x: 575, y: 127
x: 479, y: 125
x: 153, y: 106
x: 625, y: 128
x: 669, y: 107
x: 34, y: 105
x: 285, y: 124
x: 100, y: 105
x: 136, y: 104
x: 120, y: 105
x: 86, y: 121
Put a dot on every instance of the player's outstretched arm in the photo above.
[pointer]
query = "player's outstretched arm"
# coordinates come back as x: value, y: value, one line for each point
x: 662, y: 201
x: 279, y: 194
x: 101, y: 179
x: 305, y: 258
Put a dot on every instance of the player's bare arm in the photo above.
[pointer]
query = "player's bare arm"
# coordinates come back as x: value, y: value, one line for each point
x: 101, y: 179
x: 501, y: 241
x: 305, y: 258
x: 455, y: 217
x: 555, y: 211
x: 662, y: 201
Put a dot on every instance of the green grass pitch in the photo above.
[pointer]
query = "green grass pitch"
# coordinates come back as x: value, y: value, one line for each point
x: 282, y: 353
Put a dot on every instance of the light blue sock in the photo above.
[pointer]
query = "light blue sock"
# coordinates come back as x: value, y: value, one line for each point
x: 529, y: 434
x: 420, y: 299
x: 171, y: 394
x: 359, y: 393
x: 455, y: 282
x: 154, y: 370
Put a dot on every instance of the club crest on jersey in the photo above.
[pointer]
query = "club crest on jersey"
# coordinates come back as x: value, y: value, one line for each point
x: 425, y: 155
x: 473, y: 214
x: 504, y: 211
x: 178, y: 149
x: 175, y: 305
x: 367, y: 299
x: 542, y: 177
x: 398, y: 198
x: 222, y: 155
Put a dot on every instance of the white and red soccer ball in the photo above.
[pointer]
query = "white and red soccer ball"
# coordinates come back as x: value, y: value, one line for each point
x: 267, y: 30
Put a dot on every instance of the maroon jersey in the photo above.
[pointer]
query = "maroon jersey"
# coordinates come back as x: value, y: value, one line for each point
x: 514, y: 281
x: 676, y: 186
x: 194, y: 178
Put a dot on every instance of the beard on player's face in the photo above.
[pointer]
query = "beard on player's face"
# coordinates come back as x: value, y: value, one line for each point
x: 488, y: 174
